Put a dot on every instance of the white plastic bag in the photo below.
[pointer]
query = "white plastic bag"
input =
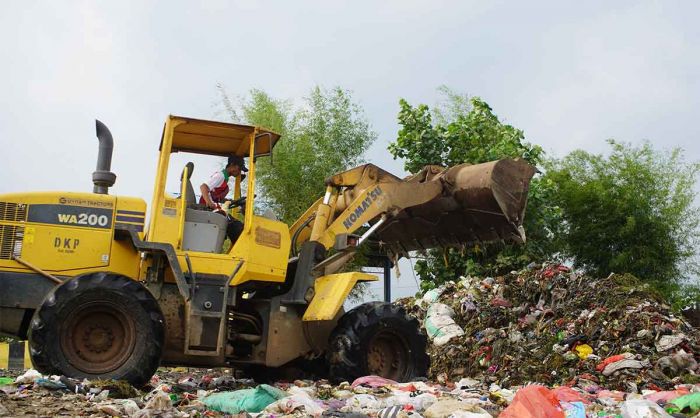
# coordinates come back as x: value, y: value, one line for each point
x: 455, y: 408
x: 667, y: 342
x: 30, y: 376
x: 439, y: 324
x: 433, y: 295
x: 419, y: 403
x: 475, y: 412
x: 299, y: 402
x: 642, y: 408
x: 362, y: 403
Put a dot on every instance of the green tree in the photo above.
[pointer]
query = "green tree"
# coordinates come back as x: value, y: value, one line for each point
x: 631, y: 211
x: 327, y: 134
x: 465, y: 130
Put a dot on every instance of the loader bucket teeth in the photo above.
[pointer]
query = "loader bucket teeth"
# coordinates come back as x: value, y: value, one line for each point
x: 479, y: 203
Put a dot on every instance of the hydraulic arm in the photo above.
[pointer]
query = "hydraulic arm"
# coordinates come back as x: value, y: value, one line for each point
x: 438, y: 206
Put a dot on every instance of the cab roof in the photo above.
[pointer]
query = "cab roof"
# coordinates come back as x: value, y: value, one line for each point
x: 218, y: 138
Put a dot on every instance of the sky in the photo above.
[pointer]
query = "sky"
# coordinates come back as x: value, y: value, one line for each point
x: 570, y: 74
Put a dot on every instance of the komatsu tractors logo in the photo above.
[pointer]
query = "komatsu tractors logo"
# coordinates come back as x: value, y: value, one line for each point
x: 362, y: 207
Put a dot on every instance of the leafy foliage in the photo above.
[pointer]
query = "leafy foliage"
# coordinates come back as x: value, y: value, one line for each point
x: 686, y: 295
x: 476, y: 136
x: 326, y: 135
x: 465, y: 130
x: 631, y: 211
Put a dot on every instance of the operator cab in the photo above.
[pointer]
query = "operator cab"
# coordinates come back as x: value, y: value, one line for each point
x: 198, y: 228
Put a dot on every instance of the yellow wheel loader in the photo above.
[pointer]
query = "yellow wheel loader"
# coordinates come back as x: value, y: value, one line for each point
x: 102, y: 293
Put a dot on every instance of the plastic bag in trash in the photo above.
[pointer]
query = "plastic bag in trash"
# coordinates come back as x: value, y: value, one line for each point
x: 624, y: 364
x: 419, y: 402
x: 373, y: 381
x: 449, y: 407
x: 534, y: 402
x: 666, y: 396
x: 574, y: 409
x: 686, y: 404
x: 158, y: 405
x: 642, y: 408
x: 567, y: 394
x: 667, y: 342
x: 30, y: 376
x: 361, y: 402
x: 612, y: 359
x: 244, y: 400
x: 439, y: 324
x: 128, y: 406
x: 395, y: 411
x: 159, y: 401
x: 474, y: 412
x: 300, y: 402
x: 433, y: 295
x: 309, y: 391
x: 467, y: 383
x: 51, y: 384
x: 422, y: 401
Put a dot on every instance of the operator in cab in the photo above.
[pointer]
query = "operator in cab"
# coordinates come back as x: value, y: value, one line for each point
x: 215, y: 189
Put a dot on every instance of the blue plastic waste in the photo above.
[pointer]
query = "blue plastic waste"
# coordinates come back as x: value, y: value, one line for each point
x: 574, y: 409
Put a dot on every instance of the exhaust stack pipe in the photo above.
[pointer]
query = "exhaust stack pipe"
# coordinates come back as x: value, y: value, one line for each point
x: 103, y: 178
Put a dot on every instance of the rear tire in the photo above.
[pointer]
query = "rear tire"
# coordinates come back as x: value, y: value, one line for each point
x: 378, y: 338
x: 98, y: 326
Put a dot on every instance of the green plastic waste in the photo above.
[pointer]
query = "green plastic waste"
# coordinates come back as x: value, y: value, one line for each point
x: 244, y: 400
x: 6, y: 381
x: 687, y: 404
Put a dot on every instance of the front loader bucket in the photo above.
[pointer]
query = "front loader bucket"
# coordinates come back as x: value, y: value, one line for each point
x: 479, y: 203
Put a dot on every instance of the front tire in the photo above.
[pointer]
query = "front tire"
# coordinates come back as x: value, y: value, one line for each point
x: 98, y: 326
x: 379, y: 339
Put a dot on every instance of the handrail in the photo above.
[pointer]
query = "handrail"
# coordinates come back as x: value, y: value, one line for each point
x: 250, y: 197
x: 38, y: 270
x: 183, y: 207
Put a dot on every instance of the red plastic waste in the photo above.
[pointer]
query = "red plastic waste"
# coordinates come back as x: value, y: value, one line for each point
x: 609, y: 360
x: 409, y: 388
x: 611, y: 394
x: 666, y: 396
x: 534, y: 402
x: 566, y: 394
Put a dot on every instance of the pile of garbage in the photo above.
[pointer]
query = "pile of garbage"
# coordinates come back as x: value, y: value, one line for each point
x: 551, y: 325
x: 207, y: 393
x: 544, y: 342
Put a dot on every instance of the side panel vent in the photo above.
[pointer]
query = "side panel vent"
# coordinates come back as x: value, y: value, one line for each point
x: 11, y: 238
x: 13, y: 212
